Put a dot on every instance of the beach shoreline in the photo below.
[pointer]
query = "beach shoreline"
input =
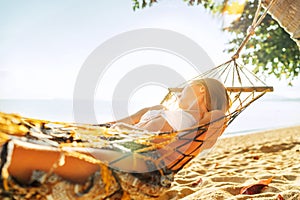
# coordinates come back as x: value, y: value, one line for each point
x: 242, y: 160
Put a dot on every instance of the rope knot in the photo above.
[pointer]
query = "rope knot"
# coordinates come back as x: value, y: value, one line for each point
x: 235, y: 56
x: 251, y: 30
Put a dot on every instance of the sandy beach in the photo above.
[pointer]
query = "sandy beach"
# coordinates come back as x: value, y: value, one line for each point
x: 239, y: 161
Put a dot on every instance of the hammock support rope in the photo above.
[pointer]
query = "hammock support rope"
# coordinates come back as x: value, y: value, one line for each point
x: 255, y: 23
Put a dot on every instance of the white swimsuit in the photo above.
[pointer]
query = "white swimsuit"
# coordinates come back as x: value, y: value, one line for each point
x: 177, y: 119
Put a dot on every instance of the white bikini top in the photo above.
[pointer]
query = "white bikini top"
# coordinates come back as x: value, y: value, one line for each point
x: 177, y: 119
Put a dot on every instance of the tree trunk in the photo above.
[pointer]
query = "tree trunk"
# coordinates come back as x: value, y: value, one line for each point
x: 287, y: 14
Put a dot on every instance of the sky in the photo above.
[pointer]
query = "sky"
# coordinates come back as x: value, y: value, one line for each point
x: 44, y: 44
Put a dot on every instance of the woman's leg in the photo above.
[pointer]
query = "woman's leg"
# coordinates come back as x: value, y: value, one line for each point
x: 26, y: 159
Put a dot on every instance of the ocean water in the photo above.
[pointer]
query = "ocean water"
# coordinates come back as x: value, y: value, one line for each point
x: 265, y: 113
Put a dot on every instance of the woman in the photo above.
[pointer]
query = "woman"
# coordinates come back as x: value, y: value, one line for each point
x: 200, y: 102
x: 197, y: 102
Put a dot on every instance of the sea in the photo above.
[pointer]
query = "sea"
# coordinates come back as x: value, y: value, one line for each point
x: 263, y: 114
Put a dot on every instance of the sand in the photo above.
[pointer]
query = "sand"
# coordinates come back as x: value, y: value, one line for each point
x: 239, y: 161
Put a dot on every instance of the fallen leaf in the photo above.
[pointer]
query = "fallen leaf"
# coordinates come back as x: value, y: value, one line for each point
x: 256, y: 157
x: 256, y: 188
x: 216, y: 165
x: 279, y: 197
x: 197, y: 182
x: 266, y: 181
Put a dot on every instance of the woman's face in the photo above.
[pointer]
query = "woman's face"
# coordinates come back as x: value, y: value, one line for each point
x: 191, y: 96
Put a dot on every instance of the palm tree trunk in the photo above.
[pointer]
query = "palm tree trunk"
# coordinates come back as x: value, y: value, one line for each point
x: 287, y: 14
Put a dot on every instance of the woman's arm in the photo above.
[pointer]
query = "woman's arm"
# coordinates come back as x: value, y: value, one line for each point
x: 135, y: 118
x: 157, y: 124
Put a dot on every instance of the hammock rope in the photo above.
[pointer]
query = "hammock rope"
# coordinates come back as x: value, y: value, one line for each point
x: 255, y: 23
x: 163, y: 152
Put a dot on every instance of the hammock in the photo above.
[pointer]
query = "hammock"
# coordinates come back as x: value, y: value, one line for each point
x: 154, y: 157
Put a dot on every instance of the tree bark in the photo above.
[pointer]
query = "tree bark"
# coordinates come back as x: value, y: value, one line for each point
x: 287, y: 14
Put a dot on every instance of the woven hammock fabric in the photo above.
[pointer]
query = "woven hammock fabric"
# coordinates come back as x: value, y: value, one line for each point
x: 161, y: 153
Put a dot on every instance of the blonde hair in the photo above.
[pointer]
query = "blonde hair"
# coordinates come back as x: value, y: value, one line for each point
x: 217, y: 97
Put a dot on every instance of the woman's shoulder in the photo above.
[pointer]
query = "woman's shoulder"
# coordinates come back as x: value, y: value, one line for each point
x: 216, y: 113
x: 212, y: 116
